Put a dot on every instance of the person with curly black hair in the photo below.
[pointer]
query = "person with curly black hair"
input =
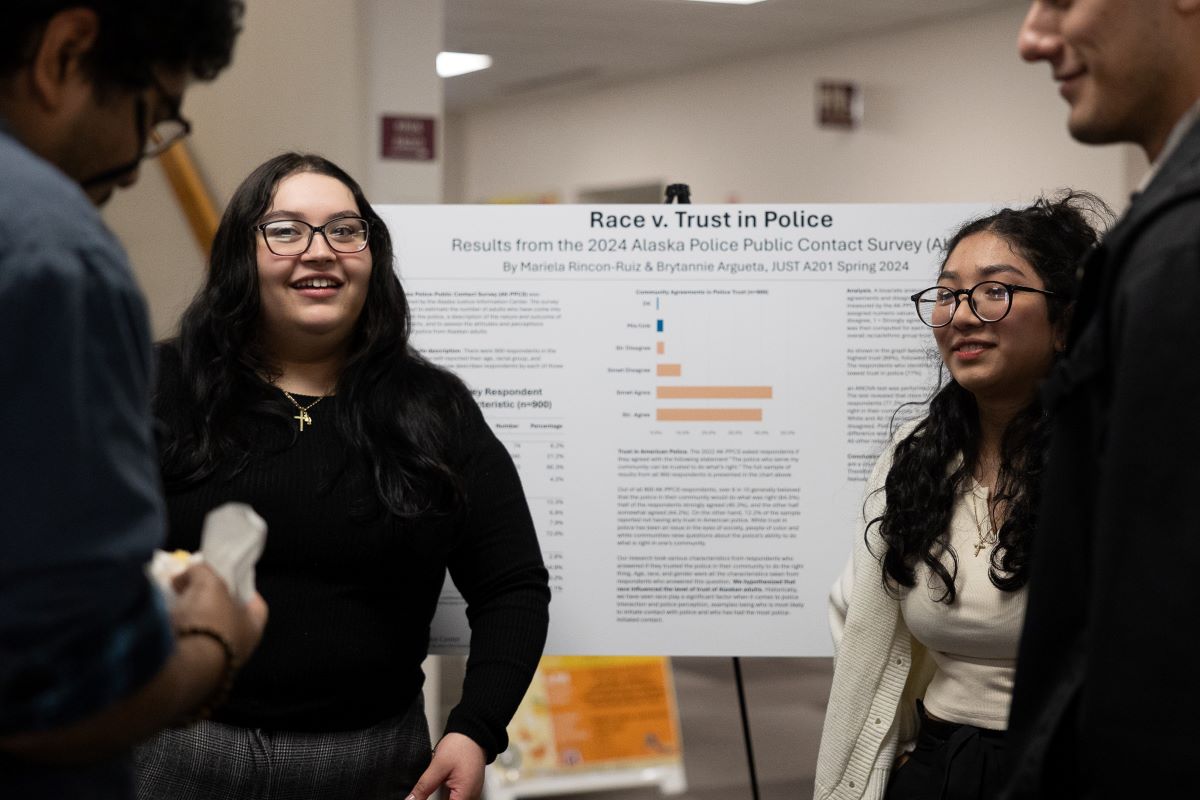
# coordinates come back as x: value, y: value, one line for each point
x: 927, y: 615
x: 134, y: 58
x: 90, y: 659
x: 293, y: 387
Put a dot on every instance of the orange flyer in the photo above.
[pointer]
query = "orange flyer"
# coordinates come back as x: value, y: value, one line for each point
x: 587, y: 712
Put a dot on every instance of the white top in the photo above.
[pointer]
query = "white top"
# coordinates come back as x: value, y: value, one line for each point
x: 973, y: 641
x: 880, y: 668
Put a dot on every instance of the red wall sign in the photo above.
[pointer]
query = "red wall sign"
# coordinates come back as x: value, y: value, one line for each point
x: 839, y: 104
x: 407, y: 138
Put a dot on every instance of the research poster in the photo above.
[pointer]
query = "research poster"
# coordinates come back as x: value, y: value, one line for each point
x: 693, y: 395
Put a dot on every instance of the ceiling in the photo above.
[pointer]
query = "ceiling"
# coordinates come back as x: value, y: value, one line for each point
x: 542, y: 47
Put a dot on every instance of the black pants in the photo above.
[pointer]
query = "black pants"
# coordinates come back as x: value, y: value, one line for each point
x: 951, y: 762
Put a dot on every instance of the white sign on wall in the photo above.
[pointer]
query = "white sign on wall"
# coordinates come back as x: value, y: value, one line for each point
x: 693, y: 396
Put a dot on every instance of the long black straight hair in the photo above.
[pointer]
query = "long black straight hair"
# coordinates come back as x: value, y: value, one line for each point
x: 395, y: 410
x: 1053, y: 235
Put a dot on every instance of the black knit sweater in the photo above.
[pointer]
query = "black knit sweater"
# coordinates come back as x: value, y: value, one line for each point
x: 352, y: 588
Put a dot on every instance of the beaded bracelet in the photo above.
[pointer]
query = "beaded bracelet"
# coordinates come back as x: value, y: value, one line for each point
x: 221, y: 693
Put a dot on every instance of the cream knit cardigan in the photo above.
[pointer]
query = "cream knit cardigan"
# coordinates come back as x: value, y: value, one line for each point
x: 879, y: 670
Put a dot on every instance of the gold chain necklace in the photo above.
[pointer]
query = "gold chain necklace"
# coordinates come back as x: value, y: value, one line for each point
x: 303, y: 418
x: 985, y: 539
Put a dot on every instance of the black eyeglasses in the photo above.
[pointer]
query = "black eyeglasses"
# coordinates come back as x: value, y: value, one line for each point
x: 990, y: 301
x: 291, y: 237
x: 165, y: 132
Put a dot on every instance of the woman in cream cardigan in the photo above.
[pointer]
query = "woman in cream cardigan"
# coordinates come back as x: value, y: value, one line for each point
x: 927, y: 615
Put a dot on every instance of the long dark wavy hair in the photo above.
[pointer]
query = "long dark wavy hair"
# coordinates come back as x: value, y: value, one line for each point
x: 396, y: 411
x: 1053, y: 235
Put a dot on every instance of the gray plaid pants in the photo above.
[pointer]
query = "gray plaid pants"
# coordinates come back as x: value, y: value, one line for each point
x: 212, y: 761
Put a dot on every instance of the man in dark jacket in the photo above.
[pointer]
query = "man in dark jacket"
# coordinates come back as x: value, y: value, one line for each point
x: 1106, y: 703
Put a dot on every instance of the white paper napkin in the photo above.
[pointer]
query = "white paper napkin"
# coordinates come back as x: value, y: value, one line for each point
x: 231, y: 542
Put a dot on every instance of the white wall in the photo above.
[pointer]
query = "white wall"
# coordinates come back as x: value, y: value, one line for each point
x: 951, y: 114
x: 402, y: 42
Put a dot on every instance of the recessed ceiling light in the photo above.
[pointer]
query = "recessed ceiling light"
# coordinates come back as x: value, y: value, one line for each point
x: 451, y: 64
x: 731, y: 2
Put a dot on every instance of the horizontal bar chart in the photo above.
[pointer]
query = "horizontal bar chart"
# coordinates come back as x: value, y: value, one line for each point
x: 710, y: 400
x: 715, y: 393
x: 709, y: 415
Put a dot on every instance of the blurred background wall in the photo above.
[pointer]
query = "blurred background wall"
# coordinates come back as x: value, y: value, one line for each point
x: 950, y: 114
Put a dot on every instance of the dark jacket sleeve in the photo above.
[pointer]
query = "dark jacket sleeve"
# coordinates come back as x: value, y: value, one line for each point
x: 497, y: 566
x: 1141, y: 654
x: 1106, y: 653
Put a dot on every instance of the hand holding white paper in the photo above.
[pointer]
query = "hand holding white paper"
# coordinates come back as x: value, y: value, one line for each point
x: 231, y: 543
x: 163, y: 568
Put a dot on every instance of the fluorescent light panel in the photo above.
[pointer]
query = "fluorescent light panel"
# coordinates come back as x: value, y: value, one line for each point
x: 451, y: 64
x: 731, y: 2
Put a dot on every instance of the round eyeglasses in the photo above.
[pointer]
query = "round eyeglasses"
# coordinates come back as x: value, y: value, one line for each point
x: 990, y: 301
x: 291, y: 237
x: 164, y: 134
x: 167, y: 131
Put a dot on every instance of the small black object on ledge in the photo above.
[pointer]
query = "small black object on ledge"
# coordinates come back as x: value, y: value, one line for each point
x: 679, y: 193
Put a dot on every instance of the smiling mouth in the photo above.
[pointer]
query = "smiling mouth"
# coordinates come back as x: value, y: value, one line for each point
x: 970, y: 348
x: 317, y: 283
x: 1068, y: 79
x: 1067, y: 75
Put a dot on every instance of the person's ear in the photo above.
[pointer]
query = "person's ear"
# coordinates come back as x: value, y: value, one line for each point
x: 59, y: 63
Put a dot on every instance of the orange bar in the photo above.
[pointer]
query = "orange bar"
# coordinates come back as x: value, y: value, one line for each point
x: 714, y: 392
x: 661, y: 348
x: 670, y: 370
x: 709, y: 415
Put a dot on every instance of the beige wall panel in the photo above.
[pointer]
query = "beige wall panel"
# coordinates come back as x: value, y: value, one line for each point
x: 951, y: 114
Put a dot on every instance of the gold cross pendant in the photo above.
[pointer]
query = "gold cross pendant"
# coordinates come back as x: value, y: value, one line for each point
x: 978, y: 547
x: 305, y: 418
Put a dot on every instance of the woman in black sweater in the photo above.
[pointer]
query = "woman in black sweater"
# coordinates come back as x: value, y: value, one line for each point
x: 292, y: 387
